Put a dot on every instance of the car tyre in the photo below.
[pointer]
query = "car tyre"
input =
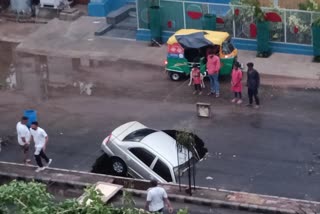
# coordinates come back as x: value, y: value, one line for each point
x: 175, y: 76
x: 119, y: 167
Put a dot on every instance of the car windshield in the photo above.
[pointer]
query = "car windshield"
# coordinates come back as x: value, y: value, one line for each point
x: 227, y: 47
x: 138, y: 135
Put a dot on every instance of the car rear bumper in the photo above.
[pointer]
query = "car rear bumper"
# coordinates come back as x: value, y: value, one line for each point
x: 106, y: 150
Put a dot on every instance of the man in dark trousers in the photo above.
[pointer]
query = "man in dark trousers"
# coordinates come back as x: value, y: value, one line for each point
x: 253, y: 83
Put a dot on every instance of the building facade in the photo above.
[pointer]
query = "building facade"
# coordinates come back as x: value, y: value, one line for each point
x: 290, y: 34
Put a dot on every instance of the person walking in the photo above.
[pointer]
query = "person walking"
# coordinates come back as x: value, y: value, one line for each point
x: 40, y: 138
x: 24, y: 138
x: 196, y: 78
x: 213, y: 68
x: 236, y: 85
x: 156, y: 199
x: 253, y: 83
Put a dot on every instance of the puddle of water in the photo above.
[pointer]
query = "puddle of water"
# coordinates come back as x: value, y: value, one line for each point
x: 5, y: 61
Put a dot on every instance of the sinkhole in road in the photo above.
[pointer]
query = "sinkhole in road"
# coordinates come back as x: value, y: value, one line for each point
x: 103, y: 164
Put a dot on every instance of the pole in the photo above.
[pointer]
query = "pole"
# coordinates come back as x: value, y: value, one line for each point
x: 233, y: 23
x: 179, y: 179
x: 285, y: 26
x: 189, y: 173
x: 193, y: 165
x: 184, y: 16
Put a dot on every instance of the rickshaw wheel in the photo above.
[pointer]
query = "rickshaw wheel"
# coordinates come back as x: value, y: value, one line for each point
x: 174, y: 76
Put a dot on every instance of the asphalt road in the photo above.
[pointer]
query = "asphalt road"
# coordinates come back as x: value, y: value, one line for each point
x: 274, y: 150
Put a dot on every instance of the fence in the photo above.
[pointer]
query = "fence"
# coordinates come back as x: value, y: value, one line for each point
x: 294, y: 26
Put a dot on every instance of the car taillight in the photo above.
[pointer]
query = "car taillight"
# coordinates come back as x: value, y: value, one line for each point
x: 107, y: 139
x: 166, y: 62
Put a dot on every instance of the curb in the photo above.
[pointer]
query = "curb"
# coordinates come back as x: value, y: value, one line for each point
x: 173, y: 197
x: 218, y: 203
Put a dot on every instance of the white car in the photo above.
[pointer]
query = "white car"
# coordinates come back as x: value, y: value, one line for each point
x: 145, y: 153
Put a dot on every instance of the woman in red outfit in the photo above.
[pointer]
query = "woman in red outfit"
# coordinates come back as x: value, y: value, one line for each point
x: 196, y: 79
x: 236, y: 85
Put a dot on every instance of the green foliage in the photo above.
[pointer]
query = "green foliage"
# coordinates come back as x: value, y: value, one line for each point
x: 182, y: 211
x: 26, y: 198
x: 127, y: 200
x: 253, y: 6
x: 185, y: 139
x: 316, y: 22
x: 309, y: 5
x: 32, y: 198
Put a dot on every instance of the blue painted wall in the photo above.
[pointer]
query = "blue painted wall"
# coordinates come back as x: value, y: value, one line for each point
x: 102, y: 8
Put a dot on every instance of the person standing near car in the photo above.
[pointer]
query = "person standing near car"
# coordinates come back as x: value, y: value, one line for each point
x: 24, y: 138
x: 40, y: 138
x: 213, y: 68
x: 253, y: 83
x: 156, y: 199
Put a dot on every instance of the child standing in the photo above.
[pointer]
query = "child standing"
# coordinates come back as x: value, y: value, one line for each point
x: 236, y: 85
x: 196, y: 79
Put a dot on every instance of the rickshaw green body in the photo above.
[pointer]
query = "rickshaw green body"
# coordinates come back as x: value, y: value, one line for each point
x: 181, y: 65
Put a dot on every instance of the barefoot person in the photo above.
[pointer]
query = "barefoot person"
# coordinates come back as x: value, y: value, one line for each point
x: 157, y: 198
x: 253, y: 83
x: 40, y: 138
x: 24, y: 138
x: 236, y: 85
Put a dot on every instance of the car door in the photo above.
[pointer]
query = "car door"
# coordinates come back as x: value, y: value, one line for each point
x: 141, y: 162
x: 163, y: 170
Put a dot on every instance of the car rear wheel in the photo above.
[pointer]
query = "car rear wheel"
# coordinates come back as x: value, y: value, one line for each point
x: 119, y: 167
x: 175, y: 76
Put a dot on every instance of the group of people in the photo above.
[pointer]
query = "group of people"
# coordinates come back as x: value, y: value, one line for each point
x: 38, y: 136
x: 213, y: 68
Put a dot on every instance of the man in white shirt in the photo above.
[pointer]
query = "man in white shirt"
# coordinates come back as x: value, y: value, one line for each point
x: 157, y: 198
x: 24, y: 138
x: 40, y: 138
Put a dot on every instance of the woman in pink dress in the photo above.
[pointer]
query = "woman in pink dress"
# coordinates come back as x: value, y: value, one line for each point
x: 236, y: 85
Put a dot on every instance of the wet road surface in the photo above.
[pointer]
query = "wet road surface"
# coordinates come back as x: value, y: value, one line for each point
x: 274, y: 150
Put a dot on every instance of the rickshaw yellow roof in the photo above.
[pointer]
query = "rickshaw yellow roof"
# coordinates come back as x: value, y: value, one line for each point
x: 216, y: 37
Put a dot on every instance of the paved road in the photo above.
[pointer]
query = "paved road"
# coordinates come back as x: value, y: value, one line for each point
x: 274, y: 150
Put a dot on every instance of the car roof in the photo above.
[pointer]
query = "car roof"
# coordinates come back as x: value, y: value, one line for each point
x: 163, y: 145
x: 124, y: 130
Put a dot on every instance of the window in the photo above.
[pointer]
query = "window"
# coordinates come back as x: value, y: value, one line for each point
x: 138, y: 135
x: 230, y: 46
x: 227, y: 47
x: 145, y: 156
x: 161, y: 169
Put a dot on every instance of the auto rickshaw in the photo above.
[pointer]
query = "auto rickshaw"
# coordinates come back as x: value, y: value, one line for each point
x: 188, y: 46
